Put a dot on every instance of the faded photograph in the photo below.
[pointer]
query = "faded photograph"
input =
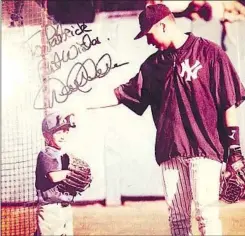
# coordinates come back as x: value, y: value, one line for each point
x: 123, y: 117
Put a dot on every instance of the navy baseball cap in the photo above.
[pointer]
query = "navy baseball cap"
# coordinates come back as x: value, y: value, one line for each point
x: 57, y: 121
x: 150, y: 16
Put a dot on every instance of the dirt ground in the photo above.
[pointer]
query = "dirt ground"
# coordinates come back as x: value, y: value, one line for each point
x: 146, y: 218
x: 134, y: 218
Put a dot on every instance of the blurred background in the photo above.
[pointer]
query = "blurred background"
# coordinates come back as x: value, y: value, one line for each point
x: 41, y: 42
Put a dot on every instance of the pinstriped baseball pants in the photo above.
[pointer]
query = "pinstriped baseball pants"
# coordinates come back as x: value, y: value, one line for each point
x: 196, y: 179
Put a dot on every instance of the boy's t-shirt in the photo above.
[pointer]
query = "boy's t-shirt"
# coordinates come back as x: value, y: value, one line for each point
x: 49, y: 160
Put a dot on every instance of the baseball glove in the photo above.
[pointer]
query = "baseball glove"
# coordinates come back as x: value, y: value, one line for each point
x: 79, y: 178
x: 232, y: 187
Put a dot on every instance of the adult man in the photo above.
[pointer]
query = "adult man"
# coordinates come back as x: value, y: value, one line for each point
x: 193, y: 90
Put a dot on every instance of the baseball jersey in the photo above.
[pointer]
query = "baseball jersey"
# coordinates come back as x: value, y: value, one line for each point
x: 188, y: 90
x: 49, y: 160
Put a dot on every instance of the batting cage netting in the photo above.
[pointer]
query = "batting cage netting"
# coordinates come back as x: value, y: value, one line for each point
x: 26, y: 26
x: 42, y: 42
x: 21, y: 140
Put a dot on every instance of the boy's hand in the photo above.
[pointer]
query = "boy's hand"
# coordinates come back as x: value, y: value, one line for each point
x: 65, y: 161
x: 79, y: 178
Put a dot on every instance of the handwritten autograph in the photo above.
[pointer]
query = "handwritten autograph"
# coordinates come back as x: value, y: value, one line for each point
x: 67, y: 55
x: 54, y: 35
x: 78, y: 77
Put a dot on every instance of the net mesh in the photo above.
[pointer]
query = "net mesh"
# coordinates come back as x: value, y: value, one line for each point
x: 21, y: 136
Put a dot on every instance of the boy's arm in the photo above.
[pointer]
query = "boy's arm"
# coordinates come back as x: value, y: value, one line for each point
x: 57, y: 176
x: 51, y: 168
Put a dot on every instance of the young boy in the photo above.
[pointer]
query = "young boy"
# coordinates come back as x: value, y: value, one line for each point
x: 54, y: 213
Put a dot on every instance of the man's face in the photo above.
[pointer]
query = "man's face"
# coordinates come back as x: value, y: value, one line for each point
x: 157, y: 37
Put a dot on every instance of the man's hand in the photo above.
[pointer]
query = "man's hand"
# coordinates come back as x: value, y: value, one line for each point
x: 236, y: 163
x: 232, y: 187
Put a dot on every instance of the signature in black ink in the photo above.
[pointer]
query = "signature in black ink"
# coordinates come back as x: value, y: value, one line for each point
x: 67, y: 55
x: 78, y: 77
x: 54, y: 35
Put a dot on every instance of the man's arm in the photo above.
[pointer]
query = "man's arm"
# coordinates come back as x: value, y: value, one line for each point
x: 133, y: 94
x: 57, y: 176
x: 232, y: 128
x: 231, y: 117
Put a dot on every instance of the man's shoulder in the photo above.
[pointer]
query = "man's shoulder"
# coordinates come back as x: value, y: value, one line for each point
x: 208, y: 46
x: 151, y: 57
x: 150, y: 60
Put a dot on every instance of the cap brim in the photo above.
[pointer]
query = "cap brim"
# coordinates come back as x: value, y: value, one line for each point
x: 140, y: 35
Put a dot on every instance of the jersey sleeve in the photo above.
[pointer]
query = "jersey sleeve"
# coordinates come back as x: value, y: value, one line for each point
x: 48, y: 164
x: 229, y: 89
x: 134, y: 94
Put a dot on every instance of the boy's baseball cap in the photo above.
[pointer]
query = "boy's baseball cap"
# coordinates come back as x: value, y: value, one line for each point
x: 57, y: 121
x: 150, y: 16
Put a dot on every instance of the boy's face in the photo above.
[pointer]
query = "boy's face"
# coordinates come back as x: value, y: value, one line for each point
x: 60, y: 137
